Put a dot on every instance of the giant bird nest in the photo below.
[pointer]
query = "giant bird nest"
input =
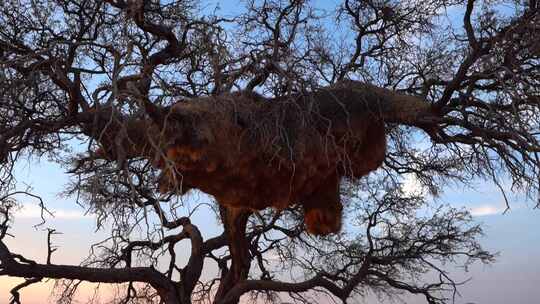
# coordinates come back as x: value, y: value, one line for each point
x: 251, y: 152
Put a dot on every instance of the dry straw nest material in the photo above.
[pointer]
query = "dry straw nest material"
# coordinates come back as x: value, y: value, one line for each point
x: 251, y: 152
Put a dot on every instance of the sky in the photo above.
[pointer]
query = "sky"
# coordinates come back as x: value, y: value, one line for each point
x: 514, y: 278
x: 515, y: 235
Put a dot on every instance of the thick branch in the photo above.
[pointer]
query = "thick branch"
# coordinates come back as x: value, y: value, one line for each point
x: 11, y: 267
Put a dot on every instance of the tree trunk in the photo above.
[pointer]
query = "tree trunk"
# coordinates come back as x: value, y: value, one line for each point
x: 235, y: 222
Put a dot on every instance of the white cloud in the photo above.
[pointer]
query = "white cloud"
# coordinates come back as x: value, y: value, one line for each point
x: 34, y: 211
x: 486, y: 210
x: 411, y: 185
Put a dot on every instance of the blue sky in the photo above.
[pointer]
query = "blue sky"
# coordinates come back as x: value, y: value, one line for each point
x: 514, y: 278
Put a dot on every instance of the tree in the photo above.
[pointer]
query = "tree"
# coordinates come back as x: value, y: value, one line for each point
x: 284, y: 105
